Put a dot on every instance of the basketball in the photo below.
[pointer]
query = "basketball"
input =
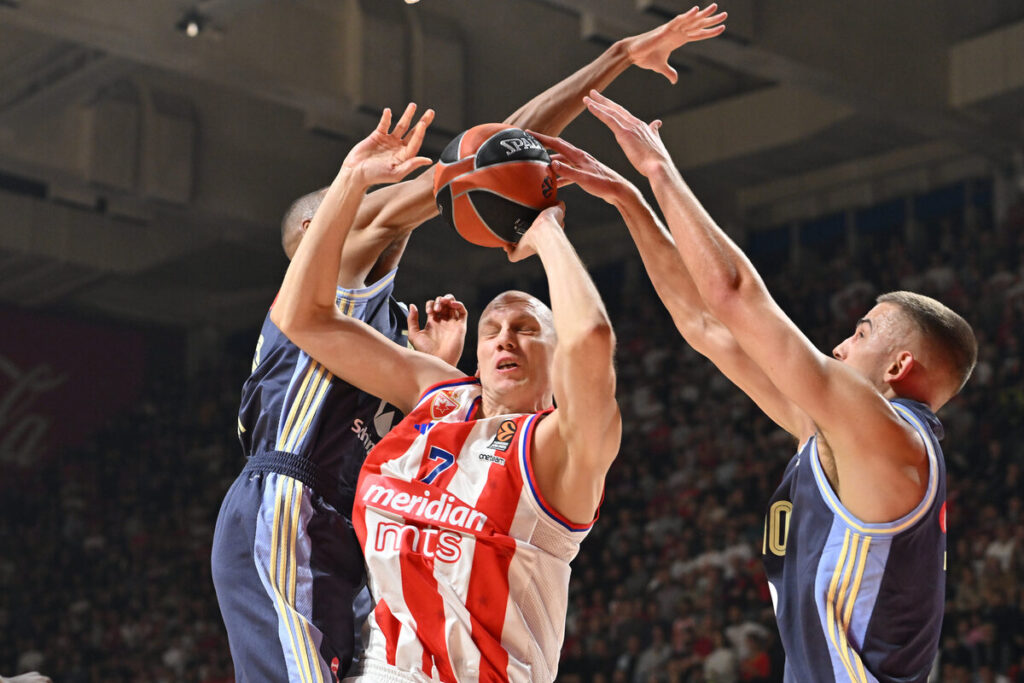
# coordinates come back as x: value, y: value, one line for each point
x: 491, y: 182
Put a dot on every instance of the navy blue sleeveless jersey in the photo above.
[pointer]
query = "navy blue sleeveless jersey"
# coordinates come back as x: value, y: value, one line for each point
x: 297, y: 419
x: 854, y: 601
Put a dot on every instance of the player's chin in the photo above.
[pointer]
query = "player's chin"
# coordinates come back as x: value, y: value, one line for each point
x: 507, y: 383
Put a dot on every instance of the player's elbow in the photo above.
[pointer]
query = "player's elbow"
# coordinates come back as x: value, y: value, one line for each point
x: 281, y: 316
x: 292, y: 320
x: 596, y: 340
x: 694, y: 327
x: 729, y: 294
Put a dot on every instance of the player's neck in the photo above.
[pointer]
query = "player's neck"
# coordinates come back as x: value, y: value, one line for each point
x: 491, y: 405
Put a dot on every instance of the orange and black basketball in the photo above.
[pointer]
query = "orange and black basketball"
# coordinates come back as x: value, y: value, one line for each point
x: 491, y: 182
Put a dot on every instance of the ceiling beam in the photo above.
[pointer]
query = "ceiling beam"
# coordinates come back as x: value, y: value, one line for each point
x: 745, y: 55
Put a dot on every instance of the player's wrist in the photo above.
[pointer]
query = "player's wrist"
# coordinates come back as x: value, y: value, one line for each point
x: 621, y: 50
x: 353, y: 175
x: 625, y: 196
x: 548, y: 238
x: 657, y: 168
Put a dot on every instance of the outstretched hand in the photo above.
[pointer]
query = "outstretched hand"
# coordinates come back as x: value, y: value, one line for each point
x: 553, y: 216
x: 640, y: 141
x: 573, y: 165
x: 444, y: 333
x: 651, y: 50
x: 387, y: 157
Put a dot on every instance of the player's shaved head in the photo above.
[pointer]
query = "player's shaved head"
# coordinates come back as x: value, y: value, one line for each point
x: 297, y: 217
x: 514, y: 297
x: 944, y: 333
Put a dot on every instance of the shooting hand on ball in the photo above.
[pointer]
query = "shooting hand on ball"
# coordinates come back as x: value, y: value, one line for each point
x: 548, y: 219
x: 387, y: 157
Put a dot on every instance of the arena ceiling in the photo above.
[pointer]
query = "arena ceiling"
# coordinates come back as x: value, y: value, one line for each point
x: 143, y: 170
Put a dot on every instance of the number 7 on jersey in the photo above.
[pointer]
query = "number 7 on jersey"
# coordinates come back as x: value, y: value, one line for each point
x: 446, y: 461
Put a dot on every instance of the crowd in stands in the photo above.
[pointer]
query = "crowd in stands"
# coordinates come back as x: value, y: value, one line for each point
x: 105, y: 570
x: 105, y: 574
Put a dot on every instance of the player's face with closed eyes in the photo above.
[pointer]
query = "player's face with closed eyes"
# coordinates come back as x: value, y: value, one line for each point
x: 514, y: 350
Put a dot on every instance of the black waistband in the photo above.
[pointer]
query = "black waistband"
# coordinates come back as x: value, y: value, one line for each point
x: 302, y: 469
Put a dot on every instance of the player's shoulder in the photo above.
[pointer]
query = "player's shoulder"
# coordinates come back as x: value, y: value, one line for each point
x: 446, y: 396
x: 919, y: 415
x: 381, y: 289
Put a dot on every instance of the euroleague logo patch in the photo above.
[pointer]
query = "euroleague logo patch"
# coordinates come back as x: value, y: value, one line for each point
x: 547, y: 187
x: 506, y: 430
x: 444, y: 403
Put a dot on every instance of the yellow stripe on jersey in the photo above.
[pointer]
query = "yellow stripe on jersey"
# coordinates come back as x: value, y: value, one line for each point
x: 861, y: 564
x: 854, y: 591
x: 276, y: 559
x: 849, y: 564
x: 849, y: 654
x: 283, y: 438
x: 303, y: 623
x: 289, y: 580
x: 831, y: 624
x: 299, y: 419
x: 325, y: 384
x: 841, y: 596
x: 293, y: 427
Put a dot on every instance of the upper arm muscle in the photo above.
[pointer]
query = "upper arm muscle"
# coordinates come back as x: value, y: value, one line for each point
x: 366, y: 359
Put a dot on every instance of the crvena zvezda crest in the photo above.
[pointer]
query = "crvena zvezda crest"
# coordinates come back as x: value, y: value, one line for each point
x: 444, y: 403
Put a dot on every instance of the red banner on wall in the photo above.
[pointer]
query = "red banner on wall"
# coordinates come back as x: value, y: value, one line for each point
x: 60, y: 380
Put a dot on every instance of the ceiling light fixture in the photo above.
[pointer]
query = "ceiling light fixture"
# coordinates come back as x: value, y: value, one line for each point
x: 191, y: 23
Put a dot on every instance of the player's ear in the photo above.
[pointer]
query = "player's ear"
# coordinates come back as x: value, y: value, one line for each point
x: 901, y: 367
x: 305, y: 225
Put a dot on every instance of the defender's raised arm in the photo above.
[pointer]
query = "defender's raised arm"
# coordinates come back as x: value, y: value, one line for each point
x: 305, y: 309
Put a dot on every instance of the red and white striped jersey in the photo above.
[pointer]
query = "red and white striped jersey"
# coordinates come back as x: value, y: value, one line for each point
x: 467, y: 563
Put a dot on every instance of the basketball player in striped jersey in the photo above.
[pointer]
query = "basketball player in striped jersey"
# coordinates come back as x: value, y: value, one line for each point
x: 286, y: 563
x: 855, y: 536
x: 471, y: 509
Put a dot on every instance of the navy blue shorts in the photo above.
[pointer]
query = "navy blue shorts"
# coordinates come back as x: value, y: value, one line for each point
x: 289, y: 574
